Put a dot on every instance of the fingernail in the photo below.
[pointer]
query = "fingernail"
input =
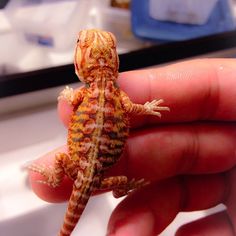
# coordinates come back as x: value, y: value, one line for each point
x: 138, y: 225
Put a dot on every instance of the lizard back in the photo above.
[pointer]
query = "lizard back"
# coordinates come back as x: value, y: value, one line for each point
x: 99, y: 126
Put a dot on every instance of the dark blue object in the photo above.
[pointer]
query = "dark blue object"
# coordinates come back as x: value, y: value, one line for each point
x: 146, y: 27
x: 42, y: 40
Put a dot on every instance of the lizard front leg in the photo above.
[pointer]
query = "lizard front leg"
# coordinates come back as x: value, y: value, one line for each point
x: 120, y: 185
x: 149, y: 108
x: 72, y: 97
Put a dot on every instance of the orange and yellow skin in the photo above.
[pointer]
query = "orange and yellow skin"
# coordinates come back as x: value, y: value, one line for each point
x: 99, y: 126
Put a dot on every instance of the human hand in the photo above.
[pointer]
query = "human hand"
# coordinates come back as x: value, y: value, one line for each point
x: 189, y: 154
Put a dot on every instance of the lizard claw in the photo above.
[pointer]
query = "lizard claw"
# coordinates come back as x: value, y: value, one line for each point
x: 153, y: 108
x: 48, y: 182
x: 131, y: 185
x: 36, y: 168
x: 47, y: 173
x: 67, y: 94
x: 135, y: 184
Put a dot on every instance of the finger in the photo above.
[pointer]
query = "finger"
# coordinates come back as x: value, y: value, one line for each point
x: 167, y: 151
x: 151, y: 209
x: 164, y: 152
x: 194, y: 90
x: 214, y: 225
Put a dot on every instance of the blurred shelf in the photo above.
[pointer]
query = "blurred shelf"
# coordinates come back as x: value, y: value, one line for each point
x: 19, y: 83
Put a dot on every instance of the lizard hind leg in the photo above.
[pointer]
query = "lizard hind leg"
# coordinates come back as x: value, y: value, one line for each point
x: 120, y: 185
x: 53, y: 175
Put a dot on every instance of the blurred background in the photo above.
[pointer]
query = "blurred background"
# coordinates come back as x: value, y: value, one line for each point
x: 40, y: 34
x: 37, y: 39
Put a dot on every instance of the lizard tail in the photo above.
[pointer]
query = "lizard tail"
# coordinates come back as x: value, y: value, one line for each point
x: 76, y: 205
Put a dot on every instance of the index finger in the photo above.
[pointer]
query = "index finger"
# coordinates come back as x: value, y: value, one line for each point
x: 202, y: 89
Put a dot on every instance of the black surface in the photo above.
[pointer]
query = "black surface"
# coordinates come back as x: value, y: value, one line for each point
x: 56, y: 76
x: 3, y: 3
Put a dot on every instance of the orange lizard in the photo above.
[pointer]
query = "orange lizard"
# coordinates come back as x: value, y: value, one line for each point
x: 98, y: 128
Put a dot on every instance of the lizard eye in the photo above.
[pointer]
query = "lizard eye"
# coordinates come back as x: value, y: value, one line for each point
x: 77, y: 40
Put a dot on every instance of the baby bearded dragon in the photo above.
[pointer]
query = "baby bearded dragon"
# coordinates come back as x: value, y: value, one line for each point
x: 98, y: 128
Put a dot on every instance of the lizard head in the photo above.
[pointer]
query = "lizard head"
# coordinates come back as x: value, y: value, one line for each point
x: 95, y: 53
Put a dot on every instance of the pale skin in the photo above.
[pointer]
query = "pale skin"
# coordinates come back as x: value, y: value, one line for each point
x: 189, y: 155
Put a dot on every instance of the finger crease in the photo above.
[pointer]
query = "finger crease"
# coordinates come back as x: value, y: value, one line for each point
x: 211, y: 98
x: 184, y: 193
x: 190, y: 153
x: 228, y: 186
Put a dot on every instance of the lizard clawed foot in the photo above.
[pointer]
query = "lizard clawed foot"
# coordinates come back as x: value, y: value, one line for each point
x: 153, y: 108
x: 37, y: 168
x: 67, y: 94
x: 131, y: 185
x: 47, y: 172
x: 134, y: 184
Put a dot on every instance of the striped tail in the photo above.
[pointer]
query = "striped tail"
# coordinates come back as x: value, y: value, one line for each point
x: 82, y: 190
